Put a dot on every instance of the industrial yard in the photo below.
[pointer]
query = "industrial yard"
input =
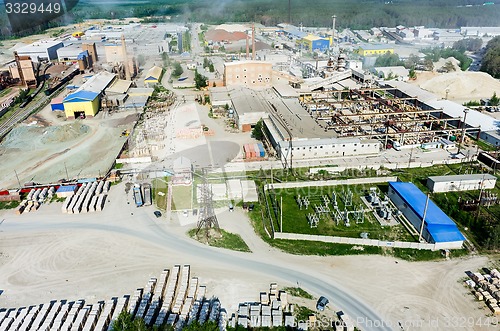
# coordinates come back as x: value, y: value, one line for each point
x: 44, y: 147
x: 54, y: 273
x: 131, y: 135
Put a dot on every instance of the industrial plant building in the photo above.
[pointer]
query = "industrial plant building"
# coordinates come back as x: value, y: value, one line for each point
x: 374, y: 50
x: 41, y: 50
x: 326, y: 148
x: 438, y: 228
x: 85, y: 101
x: 81, y: 104
x: 23, y: 70
x: 314, y: 43
x: 458, y: 183
x: 153, y: 76
x: 251, y: 74
x: 248, y: 107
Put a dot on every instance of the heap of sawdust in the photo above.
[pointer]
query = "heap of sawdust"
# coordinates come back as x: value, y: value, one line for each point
x: 441, y: 64
x: 462, y: 86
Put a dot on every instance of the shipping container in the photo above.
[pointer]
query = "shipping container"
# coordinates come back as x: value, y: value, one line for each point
x: 262, y: 150
x: 146, y: 191
x: 137, y: 196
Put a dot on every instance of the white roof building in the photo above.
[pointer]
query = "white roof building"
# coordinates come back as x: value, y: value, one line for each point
x: 41, y: 50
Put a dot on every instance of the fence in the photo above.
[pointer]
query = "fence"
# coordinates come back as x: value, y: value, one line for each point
x: 353, y: 181
x: 364, y: 242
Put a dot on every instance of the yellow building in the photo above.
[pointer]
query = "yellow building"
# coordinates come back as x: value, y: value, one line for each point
x: 78, y: 34
x: 374, y: 50
x: 82, y: 103
x: 153, y: 76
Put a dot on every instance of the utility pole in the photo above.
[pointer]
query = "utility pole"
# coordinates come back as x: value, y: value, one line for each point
x: 463, y: 131
x: 281, y: 214
x: 67, y: 176
x: 18, y: 181
x: 409, y: 160
x: 423, y: 218
x: 479, y: 201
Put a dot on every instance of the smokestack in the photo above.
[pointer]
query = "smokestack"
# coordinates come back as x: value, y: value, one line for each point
x: 253, y: 41
x: 248, y: 48
x: 334, y: 17
x: 125, y: 59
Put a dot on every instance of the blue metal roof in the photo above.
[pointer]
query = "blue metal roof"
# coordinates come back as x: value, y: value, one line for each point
x: 81, y: 96
x: 83, y: 54
x: 438, y: 224
x: 67, y: 188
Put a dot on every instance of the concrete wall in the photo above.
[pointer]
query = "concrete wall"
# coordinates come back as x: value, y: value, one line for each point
x: 365, y: 242
x: 355, y: 181
x: 146, y: 159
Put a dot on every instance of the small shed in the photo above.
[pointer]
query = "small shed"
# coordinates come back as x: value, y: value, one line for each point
x: 66, y: 191
x: 57, y: 104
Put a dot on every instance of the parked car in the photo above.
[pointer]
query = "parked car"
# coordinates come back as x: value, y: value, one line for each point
x: 157, y: 213
x: 322, y: 302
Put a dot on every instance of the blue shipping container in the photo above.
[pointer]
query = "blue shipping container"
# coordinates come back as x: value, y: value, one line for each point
x: 262, y: 150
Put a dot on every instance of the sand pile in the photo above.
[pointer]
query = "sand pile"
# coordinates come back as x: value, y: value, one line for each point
x: 56, y: 134
x: 124, y: 121
x: 463, y: 86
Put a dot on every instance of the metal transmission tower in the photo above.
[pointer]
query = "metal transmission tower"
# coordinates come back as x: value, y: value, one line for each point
x: 207, y: 218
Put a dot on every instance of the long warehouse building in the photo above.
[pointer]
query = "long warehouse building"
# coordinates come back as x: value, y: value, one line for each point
x: 438, y: 228
x: 472, y: 182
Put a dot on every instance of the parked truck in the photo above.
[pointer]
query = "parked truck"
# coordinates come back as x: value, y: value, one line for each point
x: 138, y: 196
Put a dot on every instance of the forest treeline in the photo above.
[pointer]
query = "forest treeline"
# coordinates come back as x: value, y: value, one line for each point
x: 491, y: 59
x: 355, y: 14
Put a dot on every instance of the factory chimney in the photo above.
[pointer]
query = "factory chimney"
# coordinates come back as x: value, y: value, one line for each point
x: 253, y: 41
x: 248, y: 48
x: 125, y: 59
x: 334, y: 17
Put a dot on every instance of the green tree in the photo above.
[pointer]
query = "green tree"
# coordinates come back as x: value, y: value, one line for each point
x: 257, y: 132
x: 412, y: 74
x: 388, y: 60
x: 491, y: 59
x: 177, y: 70
x: 412, y: 61
x: 468, y: 44
x: 494, y: 100
x: 428, y: 64
x: 165, y: 59
x: 206, y: 62
x: 200, y: 81
x: 211, y: 67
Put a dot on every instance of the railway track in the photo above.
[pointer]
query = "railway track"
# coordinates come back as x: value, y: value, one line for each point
x: 20, y: 115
